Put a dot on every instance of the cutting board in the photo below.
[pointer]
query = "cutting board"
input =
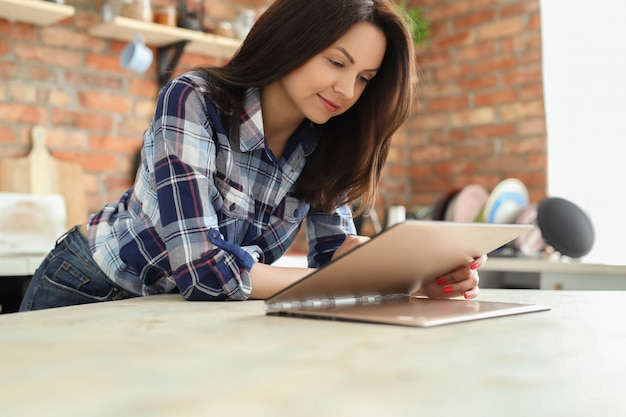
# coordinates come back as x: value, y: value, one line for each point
x: 40, y: 173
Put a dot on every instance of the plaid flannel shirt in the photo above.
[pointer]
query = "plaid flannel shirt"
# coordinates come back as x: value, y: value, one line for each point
x: 202, y: 210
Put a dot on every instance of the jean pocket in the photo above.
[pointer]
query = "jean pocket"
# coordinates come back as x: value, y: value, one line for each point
x: 64, y: 277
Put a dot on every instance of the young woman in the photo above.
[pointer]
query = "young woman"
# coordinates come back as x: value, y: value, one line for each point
x: 294, y: 129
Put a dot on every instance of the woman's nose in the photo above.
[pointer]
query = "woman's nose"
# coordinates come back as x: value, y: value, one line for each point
x: 345, y: 87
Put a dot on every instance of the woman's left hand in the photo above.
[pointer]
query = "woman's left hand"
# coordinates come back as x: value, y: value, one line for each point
x: 462, y: 282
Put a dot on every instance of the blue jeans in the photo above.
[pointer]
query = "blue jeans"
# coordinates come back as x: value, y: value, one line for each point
x: 69, y: 276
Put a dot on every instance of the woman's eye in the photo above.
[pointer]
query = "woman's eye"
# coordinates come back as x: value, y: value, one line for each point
x: 364, y: 79
x: 336, y: 63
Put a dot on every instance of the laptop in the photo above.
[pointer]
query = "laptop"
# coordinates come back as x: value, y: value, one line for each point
x: 373, y: 283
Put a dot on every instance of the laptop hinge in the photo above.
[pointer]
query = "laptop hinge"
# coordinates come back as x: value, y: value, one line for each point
x: 334, y: 302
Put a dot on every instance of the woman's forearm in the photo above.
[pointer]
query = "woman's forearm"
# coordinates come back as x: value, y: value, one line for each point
x: 267, y: 280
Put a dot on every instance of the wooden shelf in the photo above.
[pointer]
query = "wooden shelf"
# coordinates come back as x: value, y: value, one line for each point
x: 37, y: 12
x: 125, y: 29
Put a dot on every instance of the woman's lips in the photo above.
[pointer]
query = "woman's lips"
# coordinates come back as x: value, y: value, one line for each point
x: 330, y: 106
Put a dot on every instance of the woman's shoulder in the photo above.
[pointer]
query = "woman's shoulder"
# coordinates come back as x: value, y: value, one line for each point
x: 195, y: 79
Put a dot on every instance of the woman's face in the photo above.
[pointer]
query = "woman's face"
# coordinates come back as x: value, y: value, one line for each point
x: 331, y: 82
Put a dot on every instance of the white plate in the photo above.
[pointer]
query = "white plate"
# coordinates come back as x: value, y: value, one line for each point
x: 467, y: 204
x: 532, y: 242
x: 505, y: 202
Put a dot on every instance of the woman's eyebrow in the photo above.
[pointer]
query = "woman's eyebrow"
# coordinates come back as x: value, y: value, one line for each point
x: 347, y: 54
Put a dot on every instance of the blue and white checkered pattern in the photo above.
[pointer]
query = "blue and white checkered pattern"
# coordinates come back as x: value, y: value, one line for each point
x: 203, y: 210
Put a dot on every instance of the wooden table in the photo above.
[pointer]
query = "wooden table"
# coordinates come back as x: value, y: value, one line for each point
x: 163, y: 356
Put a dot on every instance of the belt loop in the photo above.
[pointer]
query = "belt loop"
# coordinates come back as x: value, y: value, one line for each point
x: 64, y: 235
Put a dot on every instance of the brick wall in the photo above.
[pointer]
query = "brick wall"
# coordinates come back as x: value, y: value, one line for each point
x: 480, y: 115
x: 479, y: 118
x: 61, y: 77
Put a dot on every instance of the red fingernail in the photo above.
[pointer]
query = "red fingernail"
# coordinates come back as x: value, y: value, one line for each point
x: 447, y: 289
x: 441, y: 281
x: 474, y: 266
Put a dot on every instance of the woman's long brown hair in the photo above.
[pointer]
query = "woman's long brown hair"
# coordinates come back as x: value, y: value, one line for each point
x: 352, y: 147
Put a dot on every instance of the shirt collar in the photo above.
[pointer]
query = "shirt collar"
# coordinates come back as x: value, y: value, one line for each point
x: 252, y: 134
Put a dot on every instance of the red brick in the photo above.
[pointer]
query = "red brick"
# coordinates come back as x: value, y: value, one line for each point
x: 520, y: 8
x: 532, y: 179
x: 143, y: 88
x: 84, y: 120
x: 434, y: 90
x: 67, y: 37
x: 455, y: 168
x: 491, y: 131
x: 67, y: 139
x: 522, y: 110
x: 114, y: 103
x: 5, y: 48
x: 7, y: 135
x: 429, y: 153
x: 521, y: 43
x: 495, y: 64
x: 428, y: 121
x: 534, y: 22
x: 532, y: 91
x: 22, y: 113
x: 93, y: 162
x: 115, y: 144
x: 133, y: 127
x: 527, y: 145
x: 105, y: 63
x: 52, y: 56
x: 433, y: 59
x: 472, y: 150
x: 532, y: 126
x: 18, y: 31
x: 8, y: 70
x: 452, y: 72
x: 500, y: 29
x: 498, y: 97
x: 523, y: 76
x: 480, y: 4
x: 537, y: 161
x: 432, y: 184
x: 453, y: 40
x: 448, y: 103
x: 448, y: 10
x: 474, y: 19
x: 37, y: 72
x: 502, y: 164
x: 472, y: 117
x: 457, y: 135
x: 81, y: 79
x: 478, y: 83
x: 474, y: 52
x: 117, y: 185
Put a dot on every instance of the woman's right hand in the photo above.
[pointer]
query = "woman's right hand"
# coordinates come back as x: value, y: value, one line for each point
x: 350, y: 243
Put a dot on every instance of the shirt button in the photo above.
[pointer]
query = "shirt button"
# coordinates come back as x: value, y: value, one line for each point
x: 295, y: 213
x: 232, y: 207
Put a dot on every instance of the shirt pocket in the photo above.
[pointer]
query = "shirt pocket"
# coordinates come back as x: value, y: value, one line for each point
x: 295, y: 210
x: 238, y: 205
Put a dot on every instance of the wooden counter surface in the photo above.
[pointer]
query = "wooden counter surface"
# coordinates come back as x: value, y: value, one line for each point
x: 163, y: 356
